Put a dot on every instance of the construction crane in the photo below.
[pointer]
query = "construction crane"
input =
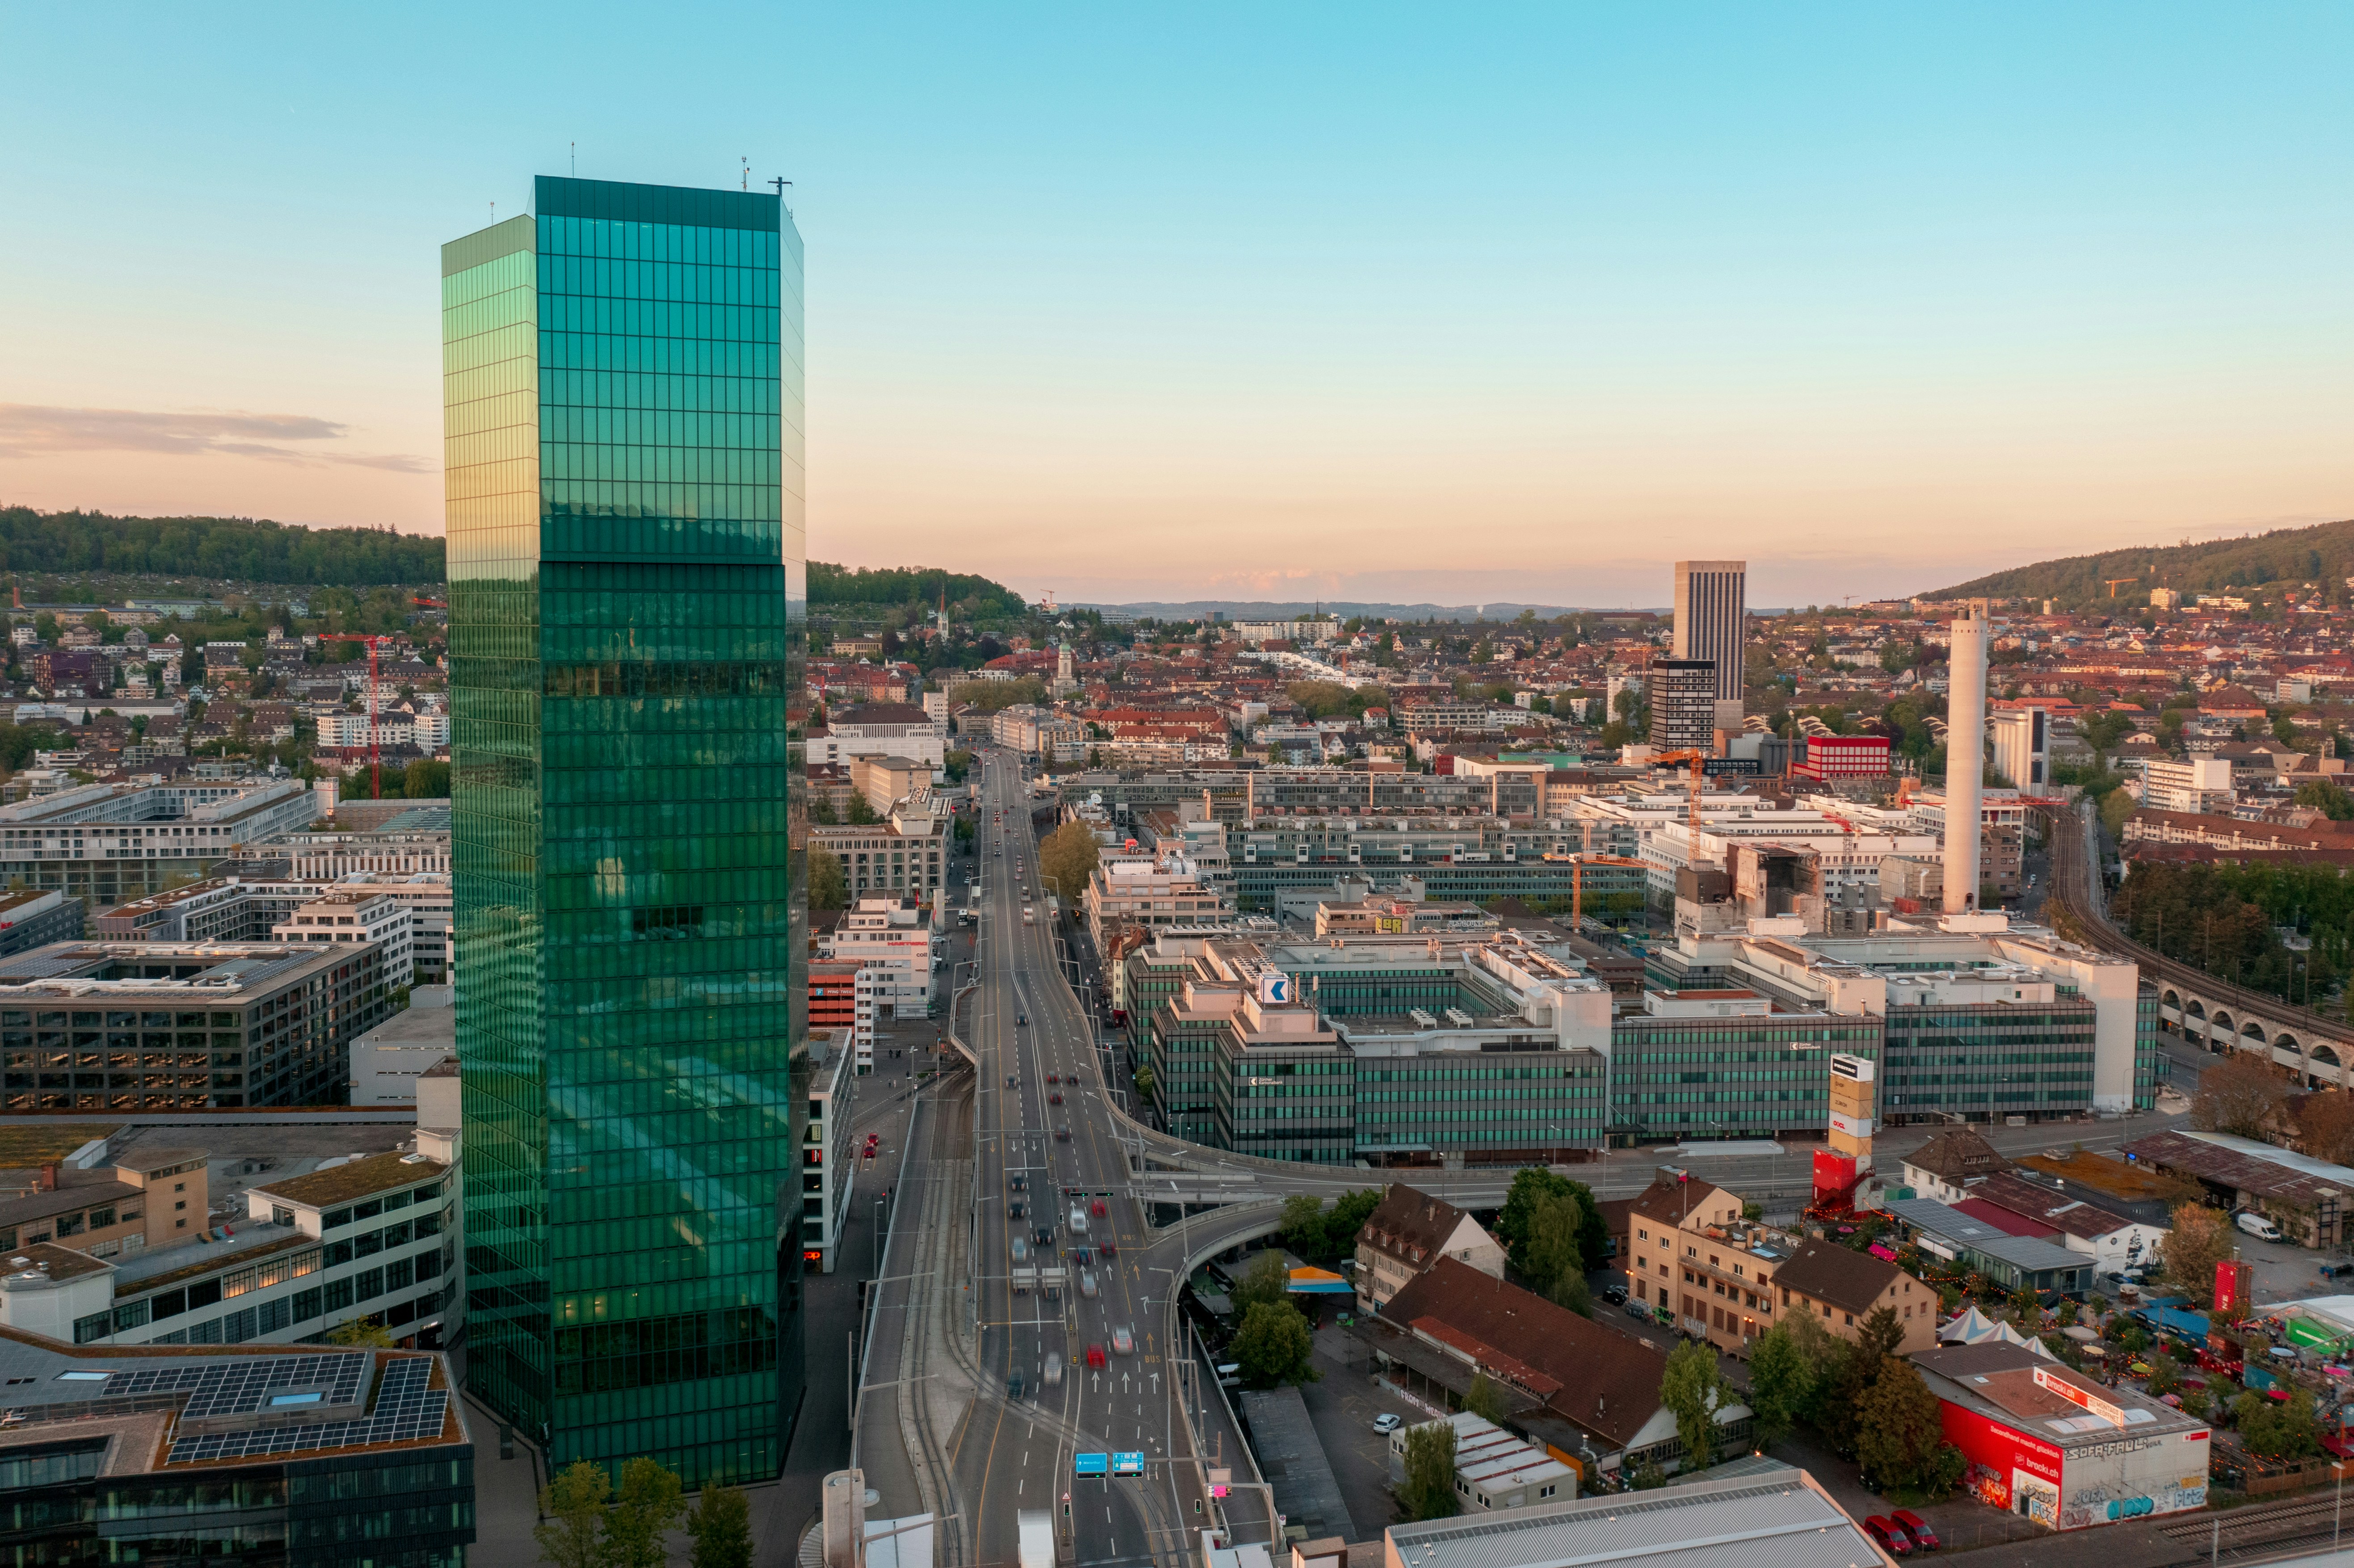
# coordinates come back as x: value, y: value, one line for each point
x: 1698, y: 760
x: 428, y: 603
x: 2113, y: 584
x: 376, y: 762
x: 1578, y: 881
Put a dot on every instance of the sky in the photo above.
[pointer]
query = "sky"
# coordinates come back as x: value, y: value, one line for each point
x: 1351, y: 301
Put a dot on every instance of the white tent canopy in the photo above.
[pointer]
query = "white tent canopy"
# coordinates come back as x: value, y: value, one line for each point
x: 1972, y: 1327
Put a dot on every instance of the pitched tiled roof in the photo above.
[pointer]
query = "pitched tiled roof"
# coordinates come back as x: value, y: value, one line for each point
x: 1411, y: 1226
x: 1668, y: 1200
x: 1602, y: 1380
x: 1849, y: 1280
x: 1956, y: 1155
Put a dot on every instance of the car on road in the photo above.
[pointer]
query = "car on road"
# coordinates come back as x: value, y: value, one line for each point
x: 1062, y: 1135
x: 1616, y: 1294
x: 1021, y: 1250
x: 1019, y: 1182
x: 1095, y: 1355
x: 1012, y: 1081
x: 1021, y: 1018
x: 1050, y: 1377
x: 1052, y: 1079
x: 1123, y: 1340
x: 1087, y: 1282
x: 1923, y: 1538
x: 1046, y: 1235
x: 1013, y: 1209
x: 1110, y: 1247
x: 1013, y: 1386
x: 1082, y: 1254
x: 1056, y: 1099
x: 1889, y: 1535
x: 1386, y: 1422
x: 1098, y: 1206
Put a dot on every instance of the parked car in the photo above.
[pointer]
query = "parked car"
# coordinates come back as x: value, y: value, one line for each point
x: 2256, y: 1225
x: 1889, y: 1535
x: 1123, y: 1339
x: 1616, y: 1294
x: 1923, y: 1538
x: 1386, y: 1422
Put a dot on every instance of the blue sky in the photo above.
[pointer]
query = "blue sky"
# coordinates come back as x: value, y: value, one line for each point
x: 1358, y: 302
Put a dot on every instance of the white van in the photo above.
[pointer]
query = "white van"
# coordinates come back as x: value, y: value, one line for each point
x: 2256, y: 1225
x: 1079, y: 1219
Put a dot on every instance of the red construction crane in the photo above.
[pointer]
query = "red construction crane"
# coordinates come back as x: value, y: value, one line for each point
x: 428, y: 603
x: 375, y: 763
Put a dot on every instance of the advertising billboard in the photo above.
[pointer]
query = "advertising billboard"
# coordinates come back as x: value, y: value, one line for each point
x: 2008, y: 1467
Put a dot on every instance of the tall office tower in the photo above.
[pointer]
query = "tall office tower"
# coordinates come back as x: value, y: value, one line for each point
x: 1966, y: 710
x: 1682, y: 695
x: 623, y: 408
x: 1712, y: 599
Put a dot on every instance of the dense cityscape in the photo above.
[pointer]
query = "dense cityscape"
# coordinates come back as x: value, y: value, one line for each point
x: 551, y: 1024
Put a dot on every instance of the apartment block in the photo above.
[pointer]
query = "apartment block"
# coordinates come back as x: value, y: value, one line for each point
x: 104, y: 843
x: 162, y: 1026
x: 904, y: 856
x: 352, y: 915
x: 369, y: 1237
x: 829, y: 1158
x: 123, y: 1210
x: 155, y: 1454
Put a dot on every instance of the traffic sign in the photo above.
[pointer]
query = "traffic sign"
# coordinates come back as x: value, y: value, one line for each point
x: 1127, y: 1463
x: 1089, y: 1464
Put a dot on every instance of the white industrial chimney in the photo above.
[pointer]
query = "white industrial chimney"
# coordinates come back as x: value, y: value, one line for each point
x: 1965, y: 713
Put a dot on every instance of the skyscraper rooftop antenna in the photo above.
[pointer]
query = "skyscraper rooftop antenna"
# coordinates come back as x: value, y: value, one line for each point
x: 745, y: 183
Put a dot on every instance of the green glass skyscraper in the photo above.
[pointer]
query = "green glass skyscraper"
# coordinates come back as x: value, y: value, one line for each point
x: 623, y: 433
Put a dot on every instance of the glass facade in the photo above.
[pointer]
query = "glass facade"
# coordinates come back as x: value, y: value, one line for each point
x: 623, y: 414
x: 1728, y: 1078
x: 1983, y: 1063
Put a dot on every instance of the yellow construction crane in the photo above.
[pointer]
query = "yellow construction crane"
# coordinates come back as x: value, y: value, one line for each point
x: 1698, y: 760
x: 2113, y: 584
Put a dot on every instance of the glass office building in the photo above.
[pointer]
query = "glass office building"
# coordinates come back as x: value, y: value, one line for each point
x: 623, y: 387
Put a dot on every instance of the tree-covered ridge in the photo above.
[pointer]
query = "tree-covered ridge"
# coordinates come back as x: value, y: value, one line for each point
x: 831, y: 584
x: 242, y: 549
x: 2322, y: 554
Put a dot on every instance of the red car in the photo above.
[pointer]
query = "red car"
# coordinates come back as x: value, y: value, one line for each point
x: 1923, y: 1538
x: 1110, y: 1247
x: 1062, y: 1135
x: 1098, y: 1206
x: 1056, y: 1099
x: 1095, y: 1355
x: 1890, y: 1536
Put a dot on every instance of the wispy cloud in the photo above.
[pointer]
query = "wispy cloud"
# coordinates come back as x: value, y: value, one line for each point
x: 28, y: 429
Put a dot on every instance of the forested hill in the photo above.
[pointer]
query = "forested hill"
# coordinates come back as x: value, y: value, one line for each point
x: 882, y: 585
x: 242, y: 549
x: 2322, y: 556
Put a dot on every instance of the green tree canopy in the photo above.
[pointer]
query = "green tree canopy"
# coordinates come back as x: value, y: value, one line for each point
x: 649, y: 1502
x: 1273, y: 1345
x: 827, y: 889
x: 721, y: 1529
x: 1429, y: 1489
x: 573, y: 1509
x: 1690, y: 1389
x: 1067, y: 859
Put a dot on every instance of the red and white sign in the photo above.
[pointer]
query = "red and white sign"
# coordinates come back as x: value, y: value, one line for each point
x: 2083, y: 1398
x: 2000, y: 1448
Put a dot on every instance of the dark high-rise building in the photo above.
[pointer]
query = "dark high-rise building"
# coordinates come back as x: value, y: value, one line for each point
x: 1682, y: 695
x: 623, y: 406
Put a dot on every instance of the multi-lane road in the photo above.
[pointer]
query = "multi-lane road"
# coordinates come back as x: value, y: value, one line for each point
x: 989, y: 1375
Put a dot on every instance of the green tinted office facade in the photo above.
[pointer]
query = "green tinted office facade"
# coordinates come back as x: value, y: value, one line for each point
x: 624, y: 451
